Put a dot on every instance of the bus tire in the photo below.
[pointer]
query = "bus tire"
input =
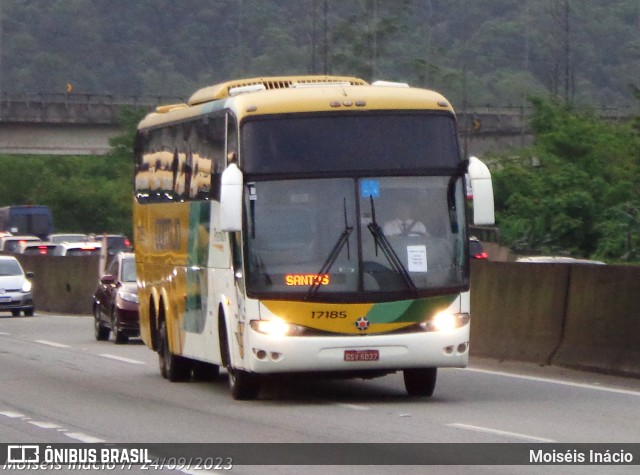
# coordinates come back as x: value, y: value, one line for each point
x: 172, y: 367
x: 420, y: 381
x: 244, y: 386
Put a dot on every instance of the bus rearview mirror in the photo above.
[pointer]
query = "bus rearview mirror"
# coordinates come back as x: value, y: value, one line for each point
x: 231, y: 199
x: 482, y: 189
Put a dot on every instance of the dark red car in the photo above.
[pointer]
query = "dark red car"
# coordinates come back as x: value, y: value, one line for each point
x: 115, y: 302
x: 476, y: 251
x: 117, y: 243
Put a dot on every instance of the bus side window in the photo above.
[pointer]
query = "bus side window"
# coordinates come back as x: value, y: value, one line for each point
x: 211, y: 140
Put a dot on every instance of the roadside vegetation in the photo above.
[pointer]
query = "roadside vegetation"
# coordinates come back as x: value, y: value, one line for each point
x: 576, y: 191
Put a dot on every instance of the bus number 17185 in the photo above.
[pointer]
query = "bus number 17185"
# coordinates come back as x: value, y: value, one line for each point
x: 328, y: 314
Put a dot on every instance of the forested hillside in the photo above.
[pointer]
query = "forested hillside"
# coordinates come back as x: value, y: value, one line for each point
x: 475, y: 51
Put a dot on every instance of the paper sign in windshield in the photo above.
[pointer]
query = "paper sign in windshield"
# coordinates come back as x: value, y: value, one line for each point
x: 417, y: 258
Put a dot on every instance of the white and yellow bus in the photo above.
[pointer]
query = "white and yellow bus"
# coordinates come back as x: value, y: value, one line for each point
x: 267, y: 235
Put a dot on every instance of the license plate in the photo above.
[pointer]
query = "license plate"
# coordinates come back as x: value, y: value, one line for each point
x: 6, y: 298
x: 361, y: 355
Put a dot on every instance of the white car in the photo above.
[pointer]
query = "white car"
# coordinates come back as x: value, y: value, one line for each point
x: 68, y: 237
x: 12, y: 243
x: 77, y: 249
x: 15, y: 287
x: 33, y: 248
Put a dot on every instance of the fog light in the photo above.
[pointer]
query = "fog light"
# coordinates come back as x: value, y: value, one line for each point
x: 275, y: 356
x: 260, y: 354
x: 462, y: 347
x: 448, y: 350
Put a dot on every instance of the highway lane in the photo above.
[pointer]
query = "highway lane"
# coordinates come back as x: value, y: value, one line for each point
x: 60, y: 385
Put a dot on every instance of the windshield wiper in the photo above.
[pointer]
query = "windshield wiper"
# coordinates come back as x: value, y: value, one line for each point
x: 333, y: 255
x: 381, y: 240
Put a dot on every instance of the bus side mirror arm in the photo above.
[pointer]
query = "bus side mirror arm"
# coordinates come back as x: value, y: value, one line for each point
x: 231, y: 186
x: 482, y: 188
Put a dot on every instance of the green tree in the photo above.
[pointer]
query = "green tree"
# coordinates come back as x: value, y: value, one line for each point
x: 363, y: 39
x: 582, y: 197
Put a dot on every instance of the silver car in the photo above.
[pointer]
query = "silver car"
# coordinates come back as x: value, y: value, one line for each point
x: 15, y: 287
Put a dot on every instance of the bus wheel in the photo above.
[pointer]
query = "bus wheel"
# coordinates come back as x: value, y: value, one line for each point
x: 172, y: 367
x: 244, y: 386
x: 205, y: 371
x: 420, y: 381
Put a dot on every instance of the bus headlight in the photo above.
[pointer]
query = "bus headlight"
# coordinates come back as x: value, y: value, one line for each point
x: 445, y: 322
x: 276, y: 327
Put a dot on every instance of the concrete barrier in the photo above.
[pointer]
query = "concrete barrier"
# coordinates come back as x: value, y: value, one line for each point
x: 602, y: 322
x: 63, y: 284
x: 517, y: 310
x: 573, y: 315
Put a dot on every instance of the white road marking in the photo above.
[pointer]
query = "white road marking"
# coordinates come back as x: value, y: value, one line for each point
x: 500, y: 432
x: 121, y: 358
x: 45, y: 425
x: 52, y: 343
x: 5, y: 333
x: 11, y: 415
x: 353, y: 406
x: 82, y: 437
x: 627, y: 392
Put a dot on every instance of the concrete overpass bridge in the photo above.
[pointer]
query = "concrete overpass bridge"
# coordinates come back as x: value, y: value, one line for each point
x: 63, y: 124
x: 82, y: 124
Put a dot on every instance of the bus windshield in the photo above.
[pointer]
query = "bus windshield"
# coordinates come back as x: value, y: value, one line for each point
x: 356, y: 142
x: 355, y: 239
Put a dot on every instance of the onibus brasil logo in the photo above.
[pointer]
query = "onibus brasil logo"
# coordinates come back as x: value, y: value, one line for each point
x: 29, y: 456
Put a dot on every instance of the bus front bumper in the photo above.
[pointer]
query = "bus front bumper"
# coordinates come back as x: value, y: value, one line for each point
x: 268, y: 354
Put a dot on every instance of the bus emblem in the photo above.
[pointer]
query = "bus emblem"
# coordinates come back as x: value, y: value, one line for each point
x: 362, y: 324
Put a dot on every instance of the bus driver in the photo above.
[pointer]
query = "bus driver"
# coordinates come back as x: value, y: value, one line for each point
x: 405, y: 224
